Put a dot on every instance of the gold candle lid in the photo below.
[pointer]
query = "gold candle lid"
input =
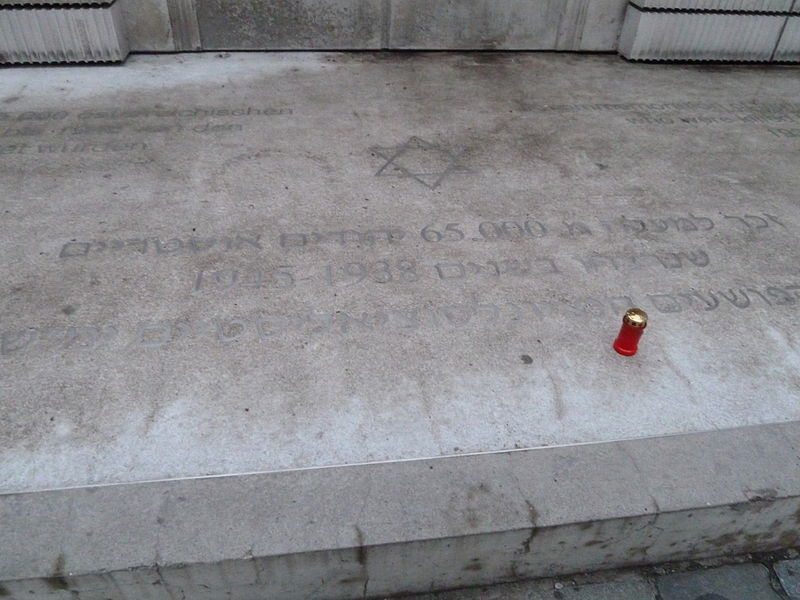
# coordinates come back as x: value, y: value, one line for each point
x: 635, y: 317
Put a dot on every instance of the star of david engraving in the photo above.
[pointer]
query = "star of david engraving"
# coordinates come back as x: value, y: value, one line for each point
x: 426, y: 163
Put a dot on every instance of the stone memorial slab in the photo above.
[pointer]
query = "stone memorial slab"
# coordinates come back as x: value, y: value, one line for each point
x: 227, y: 264
x: 214, y: 278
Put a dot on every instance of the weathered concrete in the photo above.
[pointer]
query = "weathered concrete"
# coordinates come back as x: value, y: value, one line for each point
x: 515, y: 24
x: 175, y: 25
x: 289, y: 24
x: 217, y: 266
x: 412, y: 24
x: 374, y: 530
x: 148, y: 25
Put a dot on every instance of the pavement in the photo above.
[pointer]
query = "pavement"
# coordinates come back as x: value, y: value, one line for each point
x: 766, y: 577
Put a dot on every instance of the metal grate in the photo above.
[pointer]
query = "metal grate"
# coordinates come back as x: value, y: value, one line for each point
x: 61, y: 32
x: 777, y: 6
x: 677, y: 35
x: 788, y: 49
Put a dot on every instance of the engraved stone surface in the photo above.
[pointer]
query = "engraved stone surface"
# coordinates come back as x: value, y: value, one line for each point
x: 205, y: 272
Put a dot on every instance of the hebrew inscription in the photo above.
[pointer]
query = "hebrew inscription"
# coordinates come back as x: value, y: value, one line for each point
x: 668, y: 227
x: 262, y: 328
x: 155, y: 246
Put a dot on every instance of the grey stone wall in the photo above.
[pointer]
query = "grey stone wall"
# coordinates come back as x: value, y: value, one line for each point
x: 163, y: 25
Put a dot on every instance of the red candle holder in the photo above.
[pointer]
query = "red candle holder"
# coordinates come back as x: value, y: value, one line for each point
x: 633, y: 324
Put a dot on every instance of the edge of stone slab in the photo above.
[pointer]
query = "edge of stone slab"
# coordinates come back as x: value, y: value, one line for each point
x: 414, y: 526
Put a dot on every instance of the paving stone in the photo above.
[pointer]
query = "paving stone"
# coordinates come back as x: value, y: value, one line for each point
x: 737, y: 582
x: 619, y: 587
x: 788, y: 572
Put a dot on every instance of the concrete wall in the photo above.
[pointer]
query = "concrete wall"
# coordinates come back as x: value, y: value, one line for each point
x: 161, y: 25
x: 168, y: 25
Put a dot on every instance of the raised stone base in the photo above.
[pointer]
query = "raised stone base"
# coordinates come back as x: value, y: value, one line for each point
x: 234, y: 283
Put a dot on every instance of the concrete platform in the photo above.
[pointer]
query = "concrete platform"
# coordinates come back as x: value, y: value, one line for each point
x: 230, y: 281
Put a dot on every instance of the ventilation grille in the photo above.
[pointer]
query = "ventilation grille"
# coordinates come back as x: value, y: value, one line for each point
x: 668, y: 35
x: 61, y: 32
x: 776, y: 6
x: 788, y: 49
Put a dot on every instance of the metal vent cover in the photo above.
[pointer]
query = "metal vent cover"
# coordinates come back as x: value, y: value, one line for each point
x: 788, y: 49
x: 776, y: 6
x: 61, y: 32
x: 701, y: 36
x: 53, y: 3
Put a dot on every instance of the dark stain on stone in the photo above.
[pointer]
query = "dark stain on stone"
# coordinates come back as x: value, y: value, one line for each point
x: 754, y: 539
x: 765, y: 495
x: 377, y: 56
x: 4, y: 593
x: 789, y: 538
x: 473, y: 491
x: 68, y: 310
x: 473, y: 520
x: 526, y: 359
x: 533, y: 515
x: 354, y: 579
x: 490, y: 58
x: 725, y: 540
x: 11, y: 99
x: 591, y: 543
x: 757, y: 501
x: 361, y: 551
x: 474, y: 565
x: 586, y: 525
x: 57, y: 581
